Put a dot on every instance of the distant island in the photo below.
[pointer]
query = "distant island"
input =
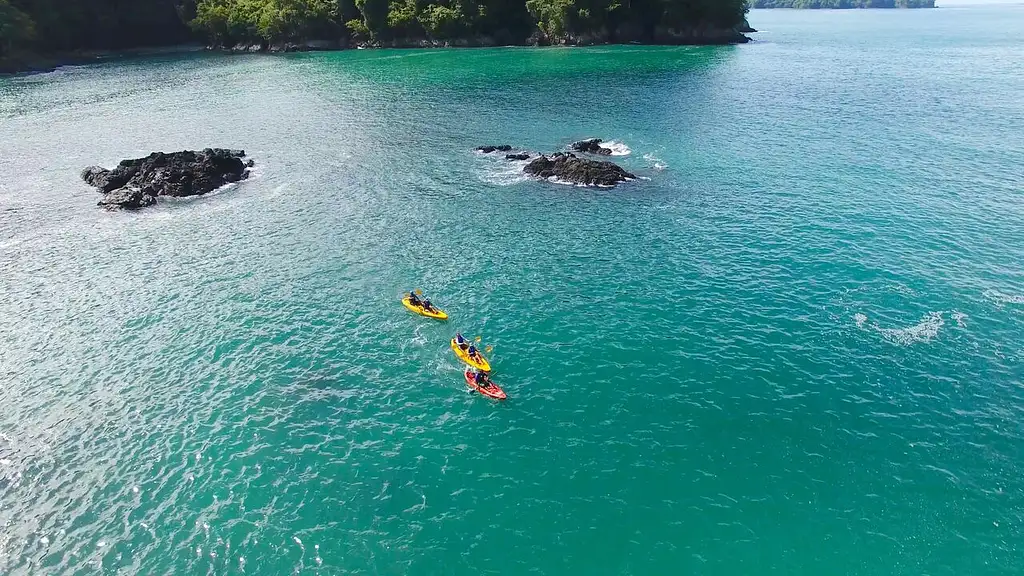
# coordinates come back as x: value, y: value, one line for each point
x: 842, y: 4
x: 32, y: 30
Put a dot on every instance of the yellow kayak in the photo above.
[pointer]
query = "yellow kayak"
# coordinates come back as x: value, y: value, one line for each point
x: 438, y: 314
x: 464, y: 356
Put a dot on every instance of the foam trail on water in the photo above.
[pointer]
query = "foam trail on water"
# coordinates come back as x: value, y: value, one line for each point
x: 923, y: 331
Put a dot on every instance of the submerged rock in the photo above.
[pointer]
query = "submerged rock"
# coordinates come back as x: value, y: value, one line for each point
x: 570, y: 168
x: 591, y: 146
x: 520, y: 156
x: 499, y: 148
x: 136, y: 183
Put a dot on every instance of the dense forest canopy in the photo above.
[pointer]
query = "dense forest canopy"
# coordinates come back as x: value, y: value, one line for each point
x: 843, y: 3
x: 61, y: 25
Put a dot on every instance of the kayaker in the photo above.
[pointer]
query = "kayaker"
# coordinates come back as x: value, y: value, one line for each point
x: 414, y: 300
x: 473, y: 353
x: 428, y: 306
x: 460, y: 340
x: 481, y: 379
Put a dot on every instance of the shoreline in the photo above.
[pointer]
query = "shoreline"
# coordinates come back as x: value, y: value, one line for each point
x: 31, y: 63
x: 24, y: 64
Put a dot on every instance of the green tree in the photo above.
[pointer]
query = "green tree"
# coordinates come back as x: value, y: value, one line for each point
x: 17, y: 29
x: 402, y: 19
x: 55, y: 25
x: 375, y: 16
x: 444, y: 22
x: 551, y: 16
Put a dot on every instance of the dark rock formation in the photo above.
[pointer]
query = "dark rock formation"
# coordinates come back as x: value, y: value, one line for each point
x: 591, y: 146
x: 96, y: 176
x: 489, y: 149
x: 136, y: 183
x: 520, y: 156
x: 569, y: 168
x: 128, y: 197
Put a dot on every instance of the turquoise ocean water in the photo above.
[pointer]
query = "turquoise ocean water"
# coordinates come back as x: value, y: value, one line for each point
x: 796, y: 346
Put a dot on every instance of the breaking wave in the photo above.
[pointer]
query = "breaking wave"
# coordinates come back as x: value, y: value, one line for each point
x: 617, y: 148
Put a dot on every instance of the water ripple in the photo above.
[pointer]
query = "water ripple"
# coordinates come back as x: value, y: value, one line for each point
x: 797, y: 350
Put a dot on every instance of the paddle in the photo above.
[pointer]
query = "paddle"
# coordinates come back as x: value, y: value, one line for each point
x: 420, y: 293
x: 488, y: 349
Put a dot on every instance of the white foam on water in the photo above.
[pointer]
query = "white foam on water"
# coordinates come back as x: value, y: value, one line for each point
x: 860, y: 319
x: 617, y: 148
x: 902, y: 289
x: 11, y: 243
x: 959, y: 318
x: 923, y: 331
x: 557, y: 180
x: 278, y: 190
x: 1001, y: 298
x: 655, y: 162
x: 505, y: 173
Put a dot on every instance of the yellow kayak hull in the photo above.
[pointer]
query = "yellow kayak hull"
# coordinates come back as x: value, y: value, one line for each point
x: 464, y: 356
x: 436, y: 314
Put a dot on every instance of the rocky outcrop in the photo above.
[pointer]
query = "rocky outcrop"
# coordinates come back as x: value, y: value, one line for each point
x: 575, y: 170
x: 129, y: 198
x: 96, y: 176
x: 137, y: 183
x: 591, y: 146
x: 520, y: 156
x: 489, y: 149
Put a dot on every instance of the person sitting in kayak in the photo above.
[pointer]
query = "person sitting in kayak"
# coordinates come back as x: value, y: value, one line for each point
x: 414, y: 300
x: 460, y: 340
x: 473, y: 353
x: 481, y: 379
x: 427, y: 306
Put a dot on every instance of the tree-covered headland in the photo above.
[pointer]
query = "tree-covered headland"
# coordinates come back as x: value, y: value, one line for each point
x: 56, y: 26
